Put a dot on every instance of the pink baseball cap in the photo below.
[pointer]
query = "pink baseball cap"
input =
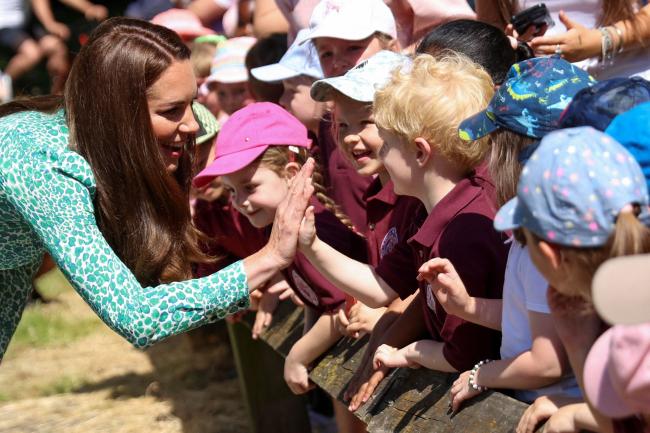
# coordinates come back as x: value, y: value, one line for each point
x: 247, y: 134
x: 617, y: 371
x: 183, y: 22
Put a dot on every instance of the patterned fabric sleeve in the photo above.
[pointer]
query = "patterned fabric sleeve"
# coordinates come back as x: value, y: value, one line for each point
x: 52, y: 191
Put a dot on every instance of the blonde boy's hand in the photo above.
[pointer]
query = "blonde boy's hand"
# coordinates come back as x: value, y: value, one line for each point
x: 446, y: 285
x: 307, y: 232
x: 297, y: 376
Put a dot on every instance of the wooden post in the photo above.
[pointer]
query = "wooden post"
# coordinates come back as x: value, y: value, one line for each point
x: 270, y: 404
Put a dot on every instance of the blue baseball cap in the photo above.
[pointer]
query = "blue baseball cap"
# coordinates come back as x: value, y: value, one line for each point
x: 573, y: 187
x: 298, y: 60
x: 530, y: 101
x: 361, y: 82
x: 632, y: 130
x: 598, y: 105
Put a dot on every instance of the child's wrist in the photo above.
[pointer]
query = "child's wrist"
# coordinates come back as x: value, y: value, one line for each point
x: 470, y: 308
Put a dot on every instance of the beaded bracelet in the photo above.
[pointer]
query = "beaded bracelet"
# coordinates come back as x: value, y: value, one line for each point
x: 619, y: 33
x: 472, y: 376
x: 607, y: 46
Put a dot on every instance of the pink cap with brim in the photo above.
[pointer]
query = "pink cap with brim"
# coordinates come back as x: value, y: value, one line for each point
x: 184, y: 22
x: 247, y: 134
x: 617, y: 371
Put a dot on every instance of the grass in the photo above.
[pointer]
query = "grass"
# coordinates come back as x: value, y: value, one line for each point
x: 51, y: 323
x: 62, y: 385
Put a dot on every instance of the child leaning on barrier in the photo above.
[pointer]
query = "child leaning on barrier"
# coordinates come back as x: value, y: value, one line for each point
x: 417, y: 113
x: 532, y: 361
x: 581, y: 199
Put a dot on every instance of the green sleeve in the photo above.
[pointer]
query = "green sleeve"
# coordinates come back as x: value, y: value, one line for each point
x: 52, y: 191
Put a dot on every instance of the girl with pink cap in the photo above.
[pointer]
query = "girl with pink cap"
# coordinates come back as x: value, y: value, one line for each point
x: 259, y: 151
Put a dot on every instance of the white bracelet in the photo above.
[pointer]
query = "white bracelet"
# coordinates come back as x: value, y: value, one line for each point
x: 471, y: 381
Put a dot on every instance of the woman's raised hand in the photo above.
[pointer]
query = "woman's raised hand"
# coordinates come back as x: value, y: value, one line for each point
x: 283, y: 241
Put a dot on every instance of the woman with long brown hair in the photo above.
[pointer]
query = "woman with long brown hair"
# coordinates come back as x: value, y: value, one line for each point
x: 99, y: 179
x: 610, y: 38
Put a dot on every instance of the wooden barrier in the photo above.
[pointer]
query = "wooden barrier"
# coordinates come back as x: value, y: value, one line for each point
x: 407, y: 400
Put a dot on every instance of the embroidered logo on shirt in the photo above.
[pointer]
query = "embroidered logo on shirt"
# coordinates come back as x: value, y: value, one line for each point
x: 304, y: 288
x: 388, y: 243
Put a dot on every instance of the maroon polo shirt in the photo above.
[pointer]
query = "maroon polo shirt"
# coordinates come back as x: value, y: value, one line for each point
x: 230, y: 236
x: 343, y: 183
x: 312, y: 287
x: 390, y: 219
x: 460, y: 228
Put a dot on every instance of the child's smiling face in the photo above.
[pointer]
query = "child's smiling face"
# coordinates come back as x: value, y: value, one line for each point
x: 358, y: 136
x: 256, y: 191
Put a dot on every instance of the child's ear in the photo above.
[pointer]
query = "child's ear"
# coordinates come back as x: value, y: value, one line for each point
x: 423, y: 152
x: 552, y: 253
x: 291, y: 170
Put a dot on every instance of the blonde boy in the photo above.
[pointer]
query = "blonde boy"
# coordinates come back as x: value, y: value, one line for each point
x: 418, y: 113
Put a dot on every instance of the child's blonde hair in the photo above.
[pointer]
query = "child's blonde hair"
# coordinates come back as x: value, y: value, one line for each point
x: 201, y: 58
x: 431, y: 100
x: 276, y: 158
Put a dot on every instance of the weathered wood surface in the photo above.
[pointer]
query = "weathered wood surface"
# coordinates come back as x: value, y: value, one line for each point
x: 408, y: 400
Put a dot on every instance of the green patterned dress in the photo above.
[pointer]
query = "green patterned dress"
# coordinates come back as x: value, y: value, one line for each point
x: 46, y: 204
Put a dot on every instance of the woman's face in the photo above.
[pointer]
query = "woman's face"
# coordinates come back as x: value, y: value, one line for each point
x: 256, y: 191
x: 358, y: 136
x: 337, y: 56
x: 170, y: 109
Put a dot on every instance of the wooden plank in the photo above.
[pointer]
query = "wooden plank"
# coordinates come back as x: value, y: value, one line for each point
x: 408, y: 401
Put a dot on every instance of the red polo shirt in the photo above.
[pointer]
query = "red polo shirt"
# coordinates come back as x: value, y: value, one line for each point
x: 313, y: 288
x: 230, y: 236
x: 344, y: 184
x: 460, y: 228
x: 390, y: 219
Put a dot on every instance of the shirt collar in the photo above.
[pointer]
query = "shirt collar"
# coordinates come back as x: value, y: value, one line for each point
x: 464, y: 193
x: 384, y: 193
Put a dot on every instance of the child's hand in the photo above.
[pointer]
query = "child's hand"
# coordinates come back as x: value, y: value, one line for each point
x: 296, y: 376
x: 541, y: 410
x: 266, y: 306
x: 341, y: 322
x: 307, y: 232
x: 446, y: 285
x: 392, y: 357
x: 362, y: 320
x: 284, y: 291
x: 563, y: 421
x: 461, y: 391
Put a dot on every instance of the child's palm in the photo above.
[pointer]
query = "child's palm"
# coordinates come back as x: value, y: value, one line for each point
x: 307, y: 232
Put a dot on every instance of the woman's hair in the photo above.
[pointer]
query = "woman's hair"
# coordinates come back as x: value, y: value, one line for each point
x: 142, y: 210
x: 630, y: 237
x: 611, y: 12
x: 432, y: 99
x: 276, y: 158
x: 504, y: 164
x: 485, y: 44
